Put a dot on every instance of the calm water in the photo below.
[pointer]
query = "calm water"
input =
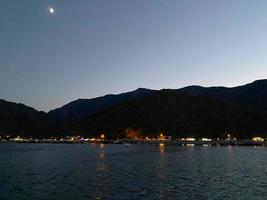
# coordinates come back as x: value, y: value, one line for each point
x: 88, y: 171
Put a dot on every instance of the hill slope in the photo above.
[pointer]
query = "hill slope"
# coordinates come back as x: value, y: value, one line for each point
x: 19, y: 119
x: 254, y: 93
x: 178, y: 114
x: 193, y: 110
x: 83, y: 108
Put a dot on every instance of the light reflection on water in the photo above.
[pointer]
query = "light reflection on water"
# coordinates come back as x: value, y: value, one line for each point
x: 161, y: 147
x: 106, y: 171
x: 101, y: 162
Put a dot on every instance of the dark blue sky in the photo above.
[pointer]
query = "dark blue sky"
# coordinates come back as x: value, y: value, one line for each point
x: 88, y: 48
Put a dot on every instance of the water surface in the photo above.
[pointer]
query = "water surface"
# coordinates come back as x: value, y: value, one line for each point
x: 94, y: 171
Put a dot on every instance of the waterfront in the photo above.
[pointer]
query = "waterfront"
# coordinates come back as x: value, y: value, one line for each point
x: 137, y: 171
x: 254, y: 141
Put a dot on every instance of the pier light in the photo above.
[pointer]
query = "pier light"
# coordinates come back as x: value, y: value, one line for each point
x: 102, y: 136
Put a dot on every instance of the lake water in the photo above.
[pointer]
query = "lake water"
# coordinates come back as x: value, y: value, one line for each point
x: 94, y: 171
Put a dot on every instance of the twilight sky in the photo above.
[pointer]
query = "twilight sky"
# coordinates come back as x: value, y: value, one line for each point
x: 89, y: 48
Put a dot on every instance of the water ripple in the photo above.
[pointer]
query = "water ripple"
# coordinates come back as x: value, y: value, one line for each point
x: 85, y: 171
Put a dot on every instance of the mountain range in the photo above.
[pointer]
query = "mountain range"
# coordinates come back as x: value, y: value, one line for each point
x: 190, y: 111
x: 18, y: 119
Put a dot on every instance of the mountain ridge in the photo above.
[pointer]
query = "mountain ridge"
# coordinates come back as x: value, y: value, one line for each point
x: 17, y: 118
x: 178, y: 114
x: 81, y: 108
x: 202, y: 111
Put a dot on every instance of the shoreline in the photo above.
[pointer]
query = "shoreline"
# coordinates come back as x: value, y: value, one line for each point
x: 152, y: 142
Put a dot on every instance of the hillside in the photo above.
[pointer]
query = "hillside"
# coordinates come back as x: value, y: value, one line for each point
x: 193, y: 110
x: 180, y: 115
x: 82, y: 108
x: 254, y: 93
x: 19, y: 119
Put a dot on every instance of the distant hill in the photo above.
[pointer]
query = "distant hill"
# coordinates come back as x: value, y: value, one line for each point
x: 82, y: 108
x: 19, y: 119
x: 254, y: 93
x: 178, y: 114
x: 194, y: 110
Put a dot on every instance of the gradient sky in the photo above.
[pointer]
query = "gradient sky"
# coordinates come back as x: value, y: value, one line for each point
x: 89, y: 48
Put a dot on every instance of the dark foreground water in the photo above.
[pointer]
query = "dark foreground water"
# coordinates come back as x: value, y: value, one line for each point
x: 88, y: 171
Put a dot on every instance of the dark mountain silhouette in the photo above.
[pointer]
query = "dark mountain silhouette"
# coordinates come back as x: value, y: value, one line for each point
x: 18, y: 119
x: 178, y: 114
x: 254, y: 93
x: 193, y: 110
x: 83, y: 108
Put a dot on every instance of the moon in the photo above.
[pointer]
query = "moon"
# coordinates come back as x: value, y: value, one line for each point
x: 51, y: 10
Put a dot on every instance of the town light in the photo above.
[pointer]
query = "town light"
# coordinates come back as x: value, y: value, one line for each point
x: 188, y: 139
x: 205, y: 139
x: 161, y: 136
x: 257, y: 139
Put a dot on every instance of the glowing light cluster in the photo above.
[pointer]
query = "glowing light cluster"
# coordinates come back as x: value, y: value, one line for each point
x: 257, y: 139
x: 205, y: 139
x: 188, y: 139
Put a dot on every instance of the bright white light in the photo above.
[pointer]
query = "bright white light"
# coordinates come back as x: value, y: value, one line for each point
x: 51, y: 10
x: 188, y: 139
x: 206, y: 139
